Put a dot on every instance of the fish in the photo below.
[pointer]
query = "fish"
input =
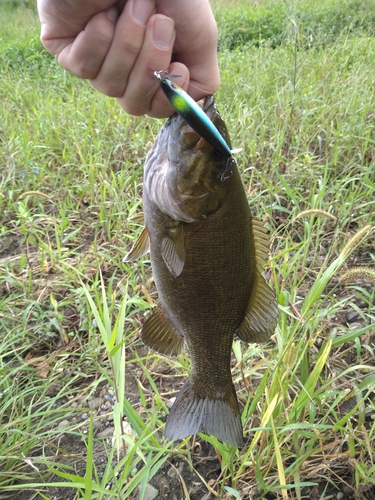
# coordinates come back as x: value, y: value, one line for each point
x: 207, y: 254
x: 192, y: 113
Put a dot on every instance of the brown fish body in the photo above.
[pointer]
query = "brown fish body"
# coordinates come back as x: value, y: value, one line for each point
x: 204, y: 254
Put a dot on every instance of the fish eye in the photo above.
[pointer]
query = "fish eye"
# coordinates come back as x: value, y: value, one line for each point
x: 172, y: 85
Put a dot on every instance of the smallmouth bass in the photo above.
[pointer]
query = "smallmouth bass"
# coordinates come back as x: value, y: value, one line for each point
x: 207, y: 254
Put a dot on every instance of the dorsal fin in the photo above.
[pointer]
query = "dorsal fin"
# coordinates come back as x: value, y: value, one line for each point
x: 261, y: 242
x: 261, y: 314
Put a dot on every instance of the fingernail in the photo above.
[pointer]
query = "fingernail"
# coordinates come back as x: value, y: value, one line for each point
x: 112, y: 14
x: 142, y: 11
x: 163, y: 32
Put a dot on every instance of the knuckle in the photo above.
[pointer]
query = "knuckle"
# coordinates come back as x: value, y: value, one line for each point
x: 111, y: 89
x: 130, y: 48
x: 85, y: 70
x: 110, y: 84
x: 133, y: 108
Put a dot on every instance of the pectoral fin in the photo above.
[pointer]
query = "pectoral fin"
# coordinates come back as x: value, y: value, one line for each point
x: 173, y: 250
x: 261, y: 314
x: 159, y: 334
x: 140, y: 248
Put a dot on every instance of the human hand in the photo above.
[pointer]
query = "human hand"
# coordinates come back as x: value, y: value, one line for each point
x: 119, y: 44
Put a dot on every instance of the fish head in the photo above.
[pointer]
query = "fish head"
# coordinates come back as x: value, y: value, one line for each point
x: 185, y: 176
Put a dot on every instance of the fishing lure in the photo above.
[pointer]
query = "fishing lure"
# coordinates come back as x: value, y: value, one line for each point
x: 192, y: 113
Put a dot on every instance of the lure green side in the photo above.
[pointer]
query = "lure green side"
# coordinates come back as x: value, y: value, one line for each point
x: 194, y: 115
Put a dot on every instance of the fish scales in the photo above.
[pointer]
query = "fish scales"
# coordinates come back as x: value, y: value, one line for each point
x: 203, y: 249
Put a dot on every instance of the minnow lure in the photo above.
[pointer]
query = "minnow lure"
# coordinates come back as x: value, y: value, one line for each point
x: 192, y: 113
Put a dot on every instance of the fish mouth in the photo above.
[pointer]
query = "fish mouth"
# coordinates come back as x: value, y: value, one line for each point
x: 190, y: 139
x: 199, y: 166
x: 184, y: 174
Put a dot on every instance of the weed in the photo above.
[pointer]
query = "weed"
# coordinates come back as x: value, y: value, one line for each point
x: 297, y: 95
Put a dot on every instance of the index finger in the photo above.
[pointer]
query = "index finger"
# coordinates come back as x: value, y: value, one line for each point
x: 85, y: 55
x: 155, y: 55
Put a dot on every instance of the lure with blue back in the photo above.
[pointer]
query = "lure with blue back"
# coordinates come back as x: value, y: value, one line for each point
x: 192, y: 113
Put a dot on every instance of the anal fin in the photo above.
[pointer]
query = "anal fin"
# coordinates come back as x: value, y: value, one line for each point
x: 159, y: 334
x: 261, y: 314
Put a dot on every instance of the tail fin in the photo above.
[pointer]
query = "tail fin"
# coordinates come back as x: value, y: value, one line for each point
x: 217, y: 414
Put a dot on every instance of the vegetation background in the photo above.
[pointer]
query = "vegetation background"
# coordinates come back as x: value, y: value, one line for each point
x: 297, y: 93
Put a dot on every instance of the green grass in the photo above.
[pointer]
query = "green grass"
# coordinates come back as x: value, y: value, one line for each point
x: 70, y: 312
x: 275, y: 22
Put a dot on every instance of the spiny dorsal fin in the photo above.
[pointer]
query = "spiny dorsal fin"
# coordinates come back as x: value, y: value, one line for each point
x: 140, y: 248
x: 261, y: 314
x: 261, y: 242
x: 159, y: 334
x: 173, y: 250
